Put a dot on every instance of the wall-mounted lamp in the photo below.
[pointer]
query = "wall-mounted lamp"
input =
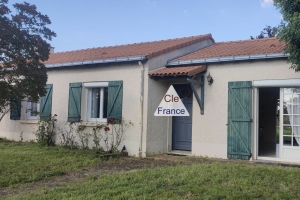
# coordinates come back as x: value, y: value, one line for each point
x: 210, y: 80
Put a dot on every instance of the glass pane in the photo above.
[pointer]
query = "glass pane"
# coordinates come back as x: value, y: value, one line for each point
x: 296, y: 131
x: 287, y: 109
x: 95, y: 103
x: 296, y: 141
x: 296, y: 99
x: 186, y: 93
x: 287, y: 119
x: 296, y: 120
x: 297, y: 90
x: 287, y: 98
x: 296, y: 109
x: 287, y: 130
x: 287, y: 90
x: 33, y: 109
x: 105, y: 102
x: 287, y: 141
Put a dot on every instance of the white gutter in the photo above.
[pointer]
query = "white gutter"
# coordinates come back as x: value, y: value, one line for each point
x: 88, y: 62
x: 228, y: 59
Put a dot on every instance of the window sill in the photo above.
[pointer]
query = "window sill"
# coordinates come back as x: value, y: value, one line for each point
x: 29, y: 121
x: 92, y: 124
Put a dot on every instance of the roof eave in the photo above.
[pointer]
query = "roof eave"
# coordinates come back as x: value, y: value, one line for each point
x: 228, y: 59
x: 99, y: 61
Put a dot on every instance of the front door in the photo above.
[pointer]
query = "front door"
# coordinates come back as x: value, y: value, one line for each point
x: 182, y: 125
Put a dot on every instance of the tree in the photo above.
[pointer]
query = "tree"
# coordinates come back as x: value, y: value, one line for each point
x: 23, y: 49
x: 289, y: 29
x: 268, y: 31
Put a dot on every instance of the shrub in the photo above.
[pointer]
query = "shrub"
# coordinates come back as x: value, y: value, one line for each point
x: 105, y: 137
x: 82, y: 135
x: 67, y: 137
x: 46, y: 131
x: 114, y: 133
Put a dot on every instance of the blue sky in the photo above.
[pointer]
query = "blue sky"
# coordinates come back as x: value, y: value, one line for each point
x: 81, y: 24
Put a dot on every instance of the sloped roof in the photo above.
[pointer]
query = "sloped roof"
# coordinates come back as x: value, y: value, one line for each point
x: 145, y: 49
x: 178, y: 71
x: 237, y: 48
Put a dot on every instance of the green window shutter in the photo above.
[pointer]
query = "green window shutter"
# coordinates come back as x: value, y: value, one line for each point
x: 74, y: 108
x: 239, y: 120
x: 46, y: 103
x: 15, y: 109
x: 115, y: 97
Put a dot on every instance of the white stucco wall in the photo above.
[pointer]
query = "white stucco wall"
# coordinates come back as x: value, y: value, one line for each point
x: 209, y: 137
x: 154, y: 137
x: 60, y: 78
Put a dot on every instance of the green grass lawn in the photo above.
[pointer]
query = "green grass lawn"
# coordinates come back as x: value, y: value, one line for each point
x: 198, y: 181
x: 21, y: 163
x: 24, y: 162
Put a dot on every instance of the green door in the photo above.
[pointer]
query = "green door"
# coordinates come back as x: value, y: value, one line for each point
x: 239, y: 120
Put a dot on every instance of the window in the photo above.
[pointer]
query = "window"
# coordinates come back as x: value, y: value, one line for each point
x: 97, y: 97
x: 100, y: 100
x: 32, y: 110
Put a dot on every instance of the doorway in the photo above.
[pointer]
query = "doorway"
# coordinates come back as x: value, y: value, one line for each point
x: 182, y: 125
x: 269, y: 126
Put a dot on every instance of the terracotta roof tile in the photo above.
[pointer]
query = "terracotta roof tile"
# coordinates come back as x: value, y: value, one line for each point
x: 237, y: 48
x: 147, y: 49
x: 178, y: 71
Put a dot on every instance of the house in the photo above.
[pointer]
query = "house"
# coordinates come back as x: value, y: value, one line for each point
x: 241, y: 119
x: 243, y: 100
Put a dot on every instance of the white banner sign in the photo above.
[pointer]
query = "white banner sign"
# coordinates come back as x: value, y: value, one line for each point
x: 171, y: 105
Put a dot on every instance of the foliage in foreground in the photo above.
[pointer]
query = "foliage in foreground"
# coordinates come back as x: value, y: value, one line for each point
x: 21, y: 162
x: 103, y: 138
x: 289, y: 29
x: 23, y: 49
x: 45, y: 133
x: 199, y: 181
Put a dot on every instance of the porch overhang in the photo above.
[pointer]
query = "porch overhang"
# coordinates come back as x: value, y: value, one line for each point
x: 184, y: 73
x: 178, y: 71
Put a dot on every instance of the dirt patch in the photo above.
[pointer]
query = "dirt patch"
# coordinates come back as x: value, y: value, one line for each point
x: 104, y: 167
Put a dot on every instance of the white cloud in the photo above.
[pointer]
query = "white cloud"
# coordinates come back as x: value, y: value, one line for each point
x: 186, y: 12
x: 266, y: 3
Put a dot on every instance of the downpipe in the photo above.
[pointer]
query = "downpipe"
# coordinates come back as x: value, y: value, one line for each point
x: 142, y: 108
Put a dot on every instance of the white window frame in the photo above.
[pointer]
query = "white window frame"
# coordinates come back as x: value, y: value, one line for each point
x: 283, y: 83
x: 89, y: 86
x: 28, y: 111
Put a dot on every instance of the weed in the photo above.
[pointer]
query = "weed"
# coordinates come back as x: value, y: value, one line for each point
x: 4, y: 139
x: 82, y: 135
x: 67, y: 137
x: 97, y: 137
x: 21, y: 137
